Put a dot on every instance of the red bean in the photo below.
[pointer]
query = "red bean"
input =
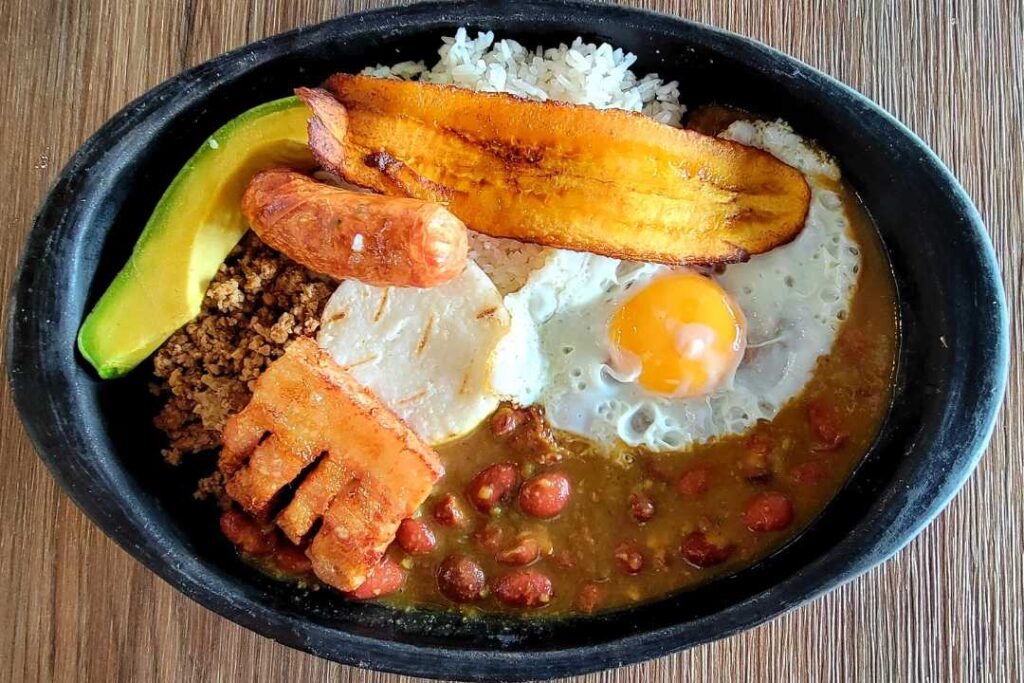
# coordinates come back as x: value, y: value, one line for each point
x: 246, y: 535
x: 694, y: 482
x: 490, y: 537
x: 387, y: 577
x: 525, y: 551
x: 629, y: 558
x: 770, y: 511
x: 759, y: 444
x: 505, y: 421
x: 756, y: 463
x: 564, y: 559
x: 824, y: 420
x: 415, y: 537
x: 492, y: 486
x: 448, y: 512
x: 460, y: 579
x: 524, y: 588
x: 641, y: 507
x: 808, y: 473
x: 700, y: 551
x: 588, y: 598
x: 292, y: 560
x: 545, y: 495
x: 755, y: 468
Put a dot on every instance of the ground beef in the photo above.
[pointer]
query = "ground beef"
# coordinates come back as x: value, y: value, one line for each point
x: 258, y: 302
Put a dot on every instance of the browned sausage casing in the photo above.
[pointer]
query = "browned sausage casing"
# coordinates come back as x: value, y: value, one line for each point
x: 384, y: 241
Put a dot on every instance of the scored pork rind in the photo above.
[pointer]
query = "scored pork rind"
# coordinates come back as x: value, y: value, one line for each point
x: 362, y: 469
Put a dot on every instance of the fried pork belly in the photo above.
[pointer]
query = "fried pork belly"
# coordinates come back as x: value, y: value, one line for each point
x: 351, y: 462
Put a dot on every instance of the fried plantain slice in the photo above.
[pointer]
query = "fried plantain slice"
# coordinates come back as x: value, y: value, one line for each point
x: 605, y: 181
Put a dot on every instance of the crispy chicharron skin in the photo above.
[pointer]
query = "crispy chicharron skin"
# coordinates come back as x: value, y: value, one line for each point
x: 365, y: 470
x: 606, y: 181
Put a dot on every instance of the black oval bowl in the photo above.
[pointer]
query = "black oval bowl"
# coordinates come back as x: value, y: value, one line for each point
x: 95, y: 436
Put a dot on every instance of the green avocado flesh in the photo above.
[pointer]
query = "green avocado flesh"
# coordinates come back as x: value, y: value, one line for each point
x: 197, y: 222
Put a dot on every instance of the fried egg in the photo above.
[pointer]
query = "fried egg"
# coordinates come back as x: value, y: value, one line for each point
x: 680, y: 335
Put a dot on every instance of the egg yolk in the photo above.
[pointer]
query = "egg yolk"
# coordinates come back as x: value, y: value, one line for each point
x: 680, y: 335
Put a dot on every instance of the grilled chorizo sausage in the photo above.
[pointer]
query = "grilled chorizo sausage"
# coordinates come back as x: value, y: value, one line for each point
x: 383, y: 241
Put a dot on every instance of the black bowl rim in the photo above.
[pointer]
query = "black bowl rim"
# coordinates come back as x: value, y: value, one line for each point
x: 37, y: 409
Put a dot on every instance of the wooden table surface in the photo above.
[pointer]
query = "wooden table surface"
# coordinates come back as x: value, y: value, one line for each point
x: 947, y: 608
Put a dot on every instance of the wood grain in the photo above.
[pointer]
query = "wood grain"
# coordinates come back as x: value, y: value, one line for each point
x: 947, y: 608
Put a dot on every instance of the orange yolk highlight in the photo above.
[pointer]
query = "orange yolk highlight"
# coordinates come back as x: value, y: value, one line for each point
x: 681, y: 335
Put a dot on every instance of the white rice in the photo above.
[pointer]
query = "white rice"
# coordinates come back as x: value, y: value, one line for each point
x: 580, y: 73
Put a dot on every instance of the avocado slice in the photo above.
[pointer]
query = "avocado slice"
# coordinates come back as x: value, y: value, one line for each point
x: 193, y: 228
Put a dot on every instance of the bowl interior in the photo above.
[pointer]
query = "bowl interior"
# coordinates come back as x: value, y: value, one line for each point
x: 96, y: 436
